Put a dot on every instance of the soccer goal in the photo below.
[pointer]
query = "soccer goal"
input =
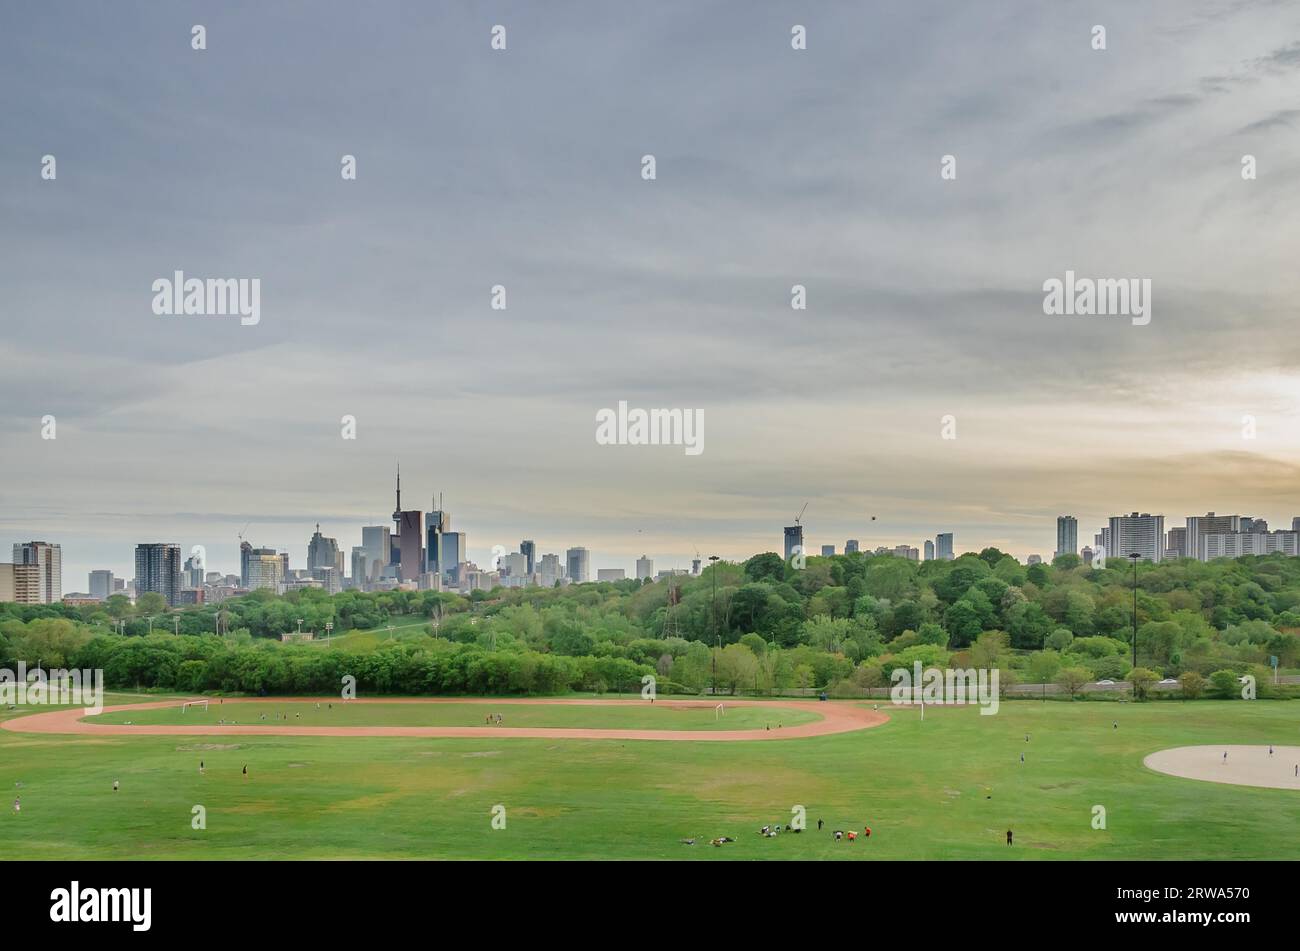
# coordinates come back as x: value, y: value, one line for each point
x: 185, y: 707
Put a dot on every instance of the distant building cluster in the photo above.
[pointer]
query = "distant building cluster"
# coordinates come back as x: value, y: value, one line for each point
x: 1202, y: 538
x: 420, y: 551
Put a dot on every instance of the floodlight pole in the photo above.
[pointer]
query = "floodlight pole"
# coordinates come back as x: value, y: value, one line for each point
x: 713, y: 566
x: 1135, y: 556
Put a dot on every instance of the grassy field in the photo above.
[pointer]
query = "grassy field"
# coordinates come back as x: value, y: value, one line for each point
x: 628, y: 716
x: 948, y: 787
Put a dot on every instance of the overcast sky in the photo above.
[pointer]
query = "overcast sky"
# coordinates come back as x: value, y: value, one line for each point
x: 523, y: 168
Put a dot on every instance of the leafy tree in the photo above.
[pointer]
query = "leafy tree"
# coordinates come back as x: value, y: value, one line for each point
x: 1141, y: 678
x: 1073, y: 679
x: 1193, y: 684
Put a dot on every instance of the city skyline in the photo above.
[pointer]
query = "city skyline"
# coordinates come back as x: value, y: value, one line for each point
x: 299, y: 555
x: 924, y: 295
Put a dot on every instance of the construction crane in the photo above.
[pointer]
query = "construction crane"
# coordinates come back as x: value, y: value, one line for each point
x: 800, y: 515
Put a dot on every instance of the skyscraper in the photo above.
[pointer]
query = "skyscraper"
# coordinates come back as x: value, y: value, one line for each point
x: 1143, y: 535
x: 49, y: 560
x: 452, y: 555
x: 578, y: 565
x: 645, y: 568
x: 322, y: 552
x: 851, y: 546
x: 360, y: 573
x: 193, y: 576
x: 101, y: 584
x: 378, y: 543
x: 411, y: 551
x: 529, y: 549
x: 549, y: 570
x: 264, y: 568
x: 793, y: 541
x: 929, y: 550
x: 158, y: 570
x: 943, y: 546
x: 436, y: 524
x: 1067, y: 535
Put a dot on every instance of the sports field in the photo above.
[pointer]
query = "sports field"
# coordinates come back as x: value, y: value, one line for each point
x: 946, y: 787
x: 664, y: 715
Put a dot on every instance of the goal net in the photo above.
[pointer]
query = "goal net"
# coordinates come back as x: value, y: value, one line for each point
x: 185, y: 707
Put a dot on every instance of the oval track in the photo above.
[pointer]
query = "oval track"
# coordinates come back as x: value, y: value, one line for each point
x: 834, y: 718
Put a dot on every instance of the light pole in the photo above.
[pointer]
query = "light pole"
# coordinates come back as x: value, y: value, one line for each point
x: 713, y: 570
x: 1135, y: 556
x: 329, y: 626
x: 151, y: 624
x: 299, y: 625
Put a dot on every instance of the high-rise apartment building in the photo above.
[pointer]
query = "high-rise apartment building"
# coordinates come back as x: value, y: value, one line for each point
x: 1198, y: 526
x: 158, y: 571
x: 1237, y: 544
x: 1143, y: 535
x: 48, y: 559
x: 828, y: 551
x: 1067, y: 535
x: 20, y: 584
x: 943, y: 546
x: 929, y: 550
x: 360, y: 571
x: 851, y: 546
x: 528, y: 548
x: 1176, y: 543
x: 645, y: 568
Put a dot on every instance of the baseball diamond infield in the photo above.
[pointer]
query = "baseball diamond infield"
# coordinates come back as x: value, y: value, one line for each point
x: 833, y: 718
x: 1243, y: 766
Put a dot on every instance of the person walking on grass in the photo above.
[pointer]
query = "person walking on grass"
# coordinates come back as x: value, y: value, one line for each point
x: 245, y: 770
x: 1008, y: 837
x: 200, y: 767
x: 115, y: 785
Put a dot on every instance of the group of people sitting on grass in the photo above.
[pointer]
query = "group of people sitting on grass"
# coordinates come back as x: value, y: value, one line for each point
x: 771, y: 831
x: 496, y: 718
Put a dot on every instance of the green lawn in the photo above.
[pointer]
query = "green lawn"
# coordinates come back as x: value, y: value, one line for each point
x: 627, y: 715
x: 921, y: 786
